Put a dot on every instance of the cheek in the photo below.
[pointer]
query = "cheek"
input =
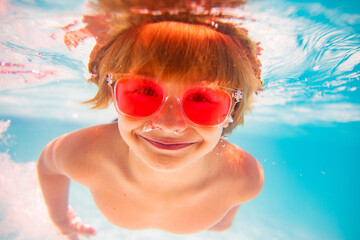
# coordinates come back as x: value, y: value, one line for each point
x: 211, y: 135
x: 126, y: 126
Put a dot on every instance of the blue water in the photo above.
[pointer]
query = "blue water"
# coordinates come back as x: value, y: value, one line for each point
x: 304, y: 128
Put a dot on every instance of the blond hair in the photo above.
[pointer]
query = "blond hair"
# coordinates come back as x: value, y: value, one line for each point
x: 183, y: 48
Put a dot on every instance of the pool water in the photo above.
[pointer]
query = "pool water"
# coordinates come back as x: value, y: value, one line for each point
x: 304, y: 128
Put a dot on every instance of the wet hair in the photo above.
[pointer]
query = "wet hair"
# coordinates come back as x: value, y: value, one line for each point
x: 180, y: 48
x: 126, y: 5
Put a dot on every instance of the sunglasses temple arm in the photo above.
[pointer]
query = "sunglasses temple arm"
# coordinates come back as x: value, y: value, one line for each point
x: 237, y: 96
x: 110, y: 81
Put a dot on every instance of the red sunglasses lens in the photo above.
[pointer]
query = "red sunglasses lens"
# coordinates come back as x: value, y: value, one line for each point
x: 138, y: 97
x: 206, y: 106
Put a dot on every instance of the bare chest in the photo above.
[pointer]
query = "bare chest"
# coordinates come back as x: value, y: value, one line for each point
x: 172, y: 212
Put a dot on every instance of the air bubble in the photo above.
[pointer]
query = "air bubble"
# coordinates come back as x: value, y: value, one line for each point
x: 231, y: 120
x: 178, y: 132
x: 148, y: 127
x: 223, y: 137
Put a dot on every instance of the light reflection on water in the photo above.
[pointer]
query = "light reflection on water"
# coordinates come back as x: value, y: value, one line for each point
x: 303, y: 128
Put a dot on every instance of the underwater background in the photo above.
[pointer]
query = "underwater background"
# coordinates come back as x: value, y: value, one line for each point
x: 303, y: 129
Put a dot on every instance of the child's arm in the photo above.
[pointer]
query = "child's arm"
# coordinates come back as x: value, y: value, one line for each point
x: 55, y: 188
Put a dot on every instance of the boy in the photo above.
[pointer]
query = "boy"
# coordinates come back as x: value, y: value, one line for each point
x: 178, y: 84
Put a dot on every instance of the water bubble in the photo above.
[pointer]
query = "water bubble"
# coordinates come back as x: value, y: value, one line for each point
x: 157, y: 12
x: 179, y: 132
x: 223, y: 138
x: 148, y: 127
x: 214, y: 24
x: 4, y: 125
x: 231, y: 120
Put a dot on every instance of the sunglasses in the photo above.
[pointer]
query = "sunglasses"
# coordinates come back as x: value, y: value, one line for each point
x: 203, y: 104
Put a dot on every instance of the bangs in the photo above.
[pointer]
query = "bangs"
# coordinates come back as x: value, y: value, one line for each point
x: 179, y: 51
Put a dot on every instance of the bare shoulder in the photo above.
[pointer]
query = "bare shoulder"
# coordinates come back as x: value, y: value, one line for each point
x: 83, y: 153
x: 244, y: 170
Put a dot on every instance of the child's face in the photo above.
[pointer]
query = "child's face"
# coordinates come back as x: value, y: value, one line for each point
x: 174, y: 142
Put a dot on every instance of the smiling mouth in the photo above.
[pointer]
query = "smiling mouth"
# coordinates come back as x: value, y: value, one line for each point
x: 167, y: 145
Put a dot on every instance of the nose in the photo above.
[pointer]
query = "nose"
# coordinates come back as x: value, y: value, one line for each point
x: 170, y: 117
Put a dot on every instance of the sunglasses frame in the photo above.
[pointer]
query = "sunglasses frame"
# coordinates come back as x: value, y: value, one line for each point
x: 235, y: 97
